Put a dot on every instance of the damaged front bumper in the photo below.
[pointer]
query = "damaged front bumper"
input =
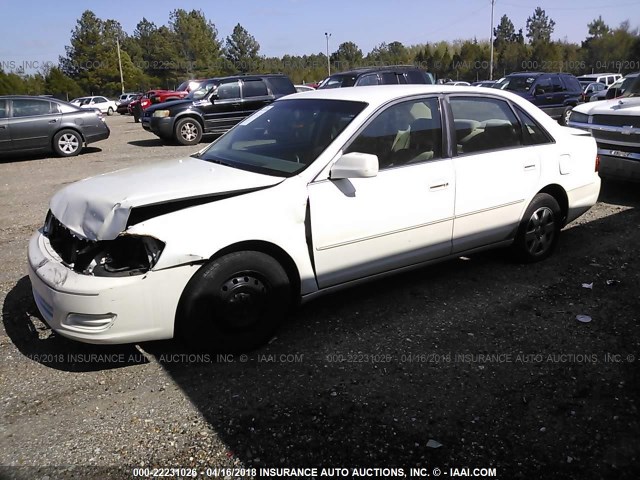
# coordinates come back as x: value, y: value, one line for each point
x: 109, y: 310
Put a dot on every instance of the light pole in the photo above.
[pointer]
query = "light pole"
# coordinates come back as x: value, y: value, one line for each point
x: 327, y: 35
x: 491, y: 40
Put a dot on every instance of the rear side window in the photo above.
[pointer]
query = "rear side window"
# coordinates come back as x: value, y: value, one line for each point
x: 228, y: 91
x: 370, y: 79
x: 483, y: 124
x: 533, y: 134
x: 571, y: 83
x: 254, y: 88
x: 415, y: 76
x: 3, y: 109
x: 30, y: 108
x: 556, y: 84
x: 388, y: 78
x: 281, y: 85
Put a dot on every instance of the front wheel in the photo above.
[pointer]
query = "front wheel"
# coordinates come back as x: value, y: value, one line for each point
x: 67, y: 143
x: 110, y: 111
x: 188, y: 131
x: 539, y: 229
x: 234, y: 303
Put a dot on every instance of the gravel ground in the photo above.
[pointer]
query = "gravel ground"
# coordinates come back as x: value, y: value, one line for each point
x: 474, y: 363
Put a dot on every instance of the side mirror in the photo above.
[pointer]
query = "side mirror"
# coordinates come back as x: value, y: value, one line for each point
x: 355, y: 165
x: 538, y: 90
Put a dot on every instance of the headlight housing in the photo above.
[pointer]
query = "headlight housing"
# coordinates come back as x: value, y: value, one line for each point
x: 161, y: 113
x: 578, y: 117
x: 126, y: 255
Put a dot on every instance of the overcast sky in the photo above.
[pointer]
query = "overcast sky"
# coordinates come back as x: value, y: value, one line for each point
x: 39, y: 30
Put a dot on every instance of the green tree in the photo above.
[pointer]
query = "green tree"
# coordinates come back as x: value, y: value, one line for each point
x: 241, y: 50
x: 197, y: 43
x: 597, y: 28
x: 60, y: 85
x: 539, y: 27
x: 347, y: 56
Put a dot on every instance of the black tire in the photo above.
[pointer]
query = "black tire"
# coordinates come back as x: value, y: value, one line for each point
x: 67, y: 143
x: 188, y: 131
x: 234, y: 303
x: 110, y: 111
x: 539, y: 229
x: 564, y: 119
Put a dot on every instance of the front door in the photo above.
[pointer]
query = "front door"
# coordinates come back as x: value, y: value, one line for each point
x: 222, y: 113
x: 403, y: 216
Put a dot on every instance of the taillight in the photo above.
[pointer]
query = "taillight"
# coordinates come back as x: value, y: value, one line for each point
x: 597, y: 162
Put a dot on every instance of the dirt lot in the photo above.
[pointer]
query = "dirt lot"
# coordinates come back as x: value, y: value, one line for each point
x: 481, y: 355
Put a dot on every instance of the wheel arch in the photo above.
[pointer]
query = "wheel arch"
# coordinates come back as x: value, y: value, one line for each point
x: 195, y: 116
x: 560, y: 195
x: 273, y: 250
x: 66, y: 127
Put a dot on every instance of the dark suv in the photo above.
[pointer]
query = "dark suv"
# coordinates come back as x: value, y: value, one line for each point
x: 554, y: 93
x: 389, y: 75
x: 217, y: 105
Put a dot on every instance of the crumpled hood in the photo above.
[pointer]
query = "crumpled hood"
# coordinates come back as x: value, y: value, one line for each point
x: 617, y: 106
x: 98, y: 208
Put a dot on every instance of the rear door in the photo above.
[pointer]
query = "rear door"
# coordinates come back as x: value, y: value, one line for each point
x: 496, y: 171
x: 32, y: 123
x: 255, y: 95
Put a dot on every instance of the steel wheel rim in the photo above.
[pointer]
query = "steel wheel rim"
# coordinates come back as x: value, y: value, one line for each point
x: 68, y: 143
x: 567, y: 115
x: 189, y: 132
x: 540, y: 232
x: 243, y: 297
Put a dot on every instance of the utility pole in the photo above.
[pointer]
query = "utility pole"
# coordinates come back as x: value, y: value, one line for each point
x: 491, y: 40
x: 327, y: 35
x: 120, y: 64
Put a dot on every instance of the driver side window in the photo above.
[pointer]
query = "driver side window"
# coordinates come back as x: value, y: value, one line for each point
x: 404, y: 133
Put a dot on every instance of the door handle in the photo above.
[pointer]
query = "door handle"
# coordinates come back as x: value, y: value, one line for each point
x: 530, y: 167
x: 440, y: 186
x: 53, y: 121
x: 2, y: 127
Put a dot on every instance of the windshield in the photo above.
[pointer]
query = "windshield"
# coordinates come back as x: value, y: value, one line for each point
x: 515, y: 84
x: 285, y: 137
x: 631, y: 87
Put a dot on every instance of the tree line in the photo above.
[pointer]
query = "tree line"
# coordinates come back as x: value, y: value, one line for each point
x: 189, y: 46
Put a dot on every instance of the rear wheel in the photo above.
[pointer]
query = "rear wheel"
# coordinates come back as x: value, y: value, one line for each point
x: 234, y: 303
x: 67, y: 143
x: 188, y: 131
x: 110, y: 111
x: 539, y: 229
x: 564, y: 120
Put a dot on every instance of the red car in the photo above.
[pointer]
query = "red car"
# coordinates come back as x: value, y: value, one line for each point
x: 136, y: 107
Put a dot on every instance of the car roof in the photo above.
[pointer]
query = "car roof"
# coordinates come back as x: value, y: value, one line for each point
x: 29, y: 97
x: 377, y: 95
x: 387, y: 68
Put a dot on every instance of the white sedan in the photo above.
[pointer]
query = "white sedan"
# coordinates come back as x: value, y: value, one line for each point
x: 316, y: 192
x: 98, y: 103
